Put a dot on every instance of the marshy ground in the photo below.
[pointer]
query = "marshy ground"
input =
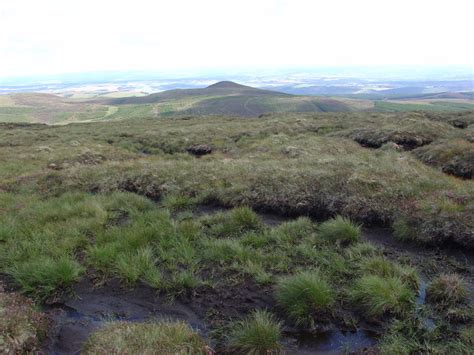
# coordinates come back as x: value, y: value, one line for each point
x: 296, y: 233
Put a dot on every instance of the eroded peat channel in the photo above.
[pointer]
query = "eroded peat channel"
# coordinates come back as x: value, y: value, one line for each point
x: 209, y: 308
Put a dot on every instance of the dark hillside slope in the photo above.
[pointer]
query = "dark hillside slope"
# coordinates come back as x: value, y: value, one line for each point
x: 222, y: 88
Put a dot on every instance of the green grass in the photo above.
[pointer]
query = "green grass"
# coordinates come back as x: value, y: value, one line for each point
x: 385, y: 106
x: 44, y: 275
x: 232, y: 223
x: 339, y: 230
x: 259, y: 333
x: 303, y: 296
x: 123, y: 204
x: 377, y: 296
x: 382, y: 267
x: 145, y: 338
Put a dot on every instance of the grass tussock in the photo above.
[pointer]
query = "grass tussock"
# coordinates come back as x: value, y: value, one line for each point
x: 145, y: 338
x: 377, y: 296
x: 303, y: 296
x: 339, y: 230
x: 382, y: 267
x: 447, y: 290
x: 42, y: 276
x: 232, y: 223
x: 258, y: 334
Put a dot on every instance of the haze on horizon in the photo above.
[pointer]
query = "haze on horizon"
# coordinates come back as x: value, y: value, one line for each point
x: 54, y: 37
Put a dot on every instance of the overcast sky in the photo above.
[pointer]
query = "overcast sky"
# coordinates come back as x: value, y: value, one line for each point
x: 61, y: 36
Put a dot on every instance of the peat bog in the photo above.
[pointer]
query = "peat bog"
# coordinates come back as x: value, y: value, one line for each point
x: 291, y: 234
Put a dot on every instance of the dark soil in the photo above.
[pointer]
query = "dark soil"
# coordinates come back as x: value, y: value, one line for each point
x: 375, y: 139
x: 75, y: 318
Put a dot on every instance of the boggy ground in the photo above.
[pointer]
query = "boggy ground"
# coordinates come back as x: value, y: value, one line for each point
x: 114, y: 205
x: 210, y: 267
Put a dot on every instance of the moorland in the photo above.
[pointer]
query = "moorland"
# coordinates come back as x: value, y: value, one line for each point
x: 222, y: 98
x: 298, y: 232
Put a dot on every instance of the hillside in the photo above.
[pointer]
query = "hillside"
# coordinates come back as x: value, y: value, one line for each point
x: 222, y: 88
x: 222, y: 98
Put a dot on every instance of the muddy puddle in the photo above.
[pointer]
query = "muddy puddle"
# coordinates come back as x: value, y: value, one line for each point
x: 74, y: 319
x: 334, y: 342
x: 91, y: 307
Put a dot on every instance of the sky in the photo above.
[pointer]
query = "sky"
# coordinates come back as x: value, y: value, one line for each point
x: 64, y: 36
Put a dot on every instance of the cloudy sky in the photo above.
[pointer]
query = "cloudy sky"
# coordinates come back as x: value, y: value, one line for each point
x: 59, y: 36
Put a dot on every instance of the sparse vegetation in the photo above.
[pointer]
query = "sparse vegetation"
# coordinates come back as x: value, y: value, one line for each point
x: 22, y: 326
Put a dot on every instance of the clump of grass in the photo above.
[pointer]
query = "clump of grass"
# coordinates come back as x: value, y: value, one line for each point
x: 145, y: 338
x: 259, y: 333
x: 295, y: 231
x: 447, y: 290
x: 402, y: 229
x: 384, y: 268
x: 233, y: 223
x: 140, y: 264
x: 43, y: 275
x: 410, y: 336
x: 184, y: 281
x: 340, y: 230
x: 303, y: 296
x: 360, y: 251
x: 377, y: 295
x: 178, y: 202
x: 467, y: 334
x: 21, y: 326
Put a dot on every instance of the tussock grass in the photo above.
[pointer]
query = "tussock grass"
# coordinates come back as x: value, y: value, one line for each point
x: 140, y: 264
x: 384, y: 268
x: 377, y: 295
x: 339, y: 230
x: 42, y: 276
x: 145, y: 338
x: 410, y: 336
x: 447, y: 290
x: 232, y: 223
x: 303, y: 296
x: 259, y: 333
x: 178, y: 202
x: 295, y: 231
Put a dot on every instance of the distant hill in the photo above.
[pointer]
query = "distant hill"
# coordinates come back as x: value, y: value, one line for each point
x: 229, y: 98
x: 222, y: 88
